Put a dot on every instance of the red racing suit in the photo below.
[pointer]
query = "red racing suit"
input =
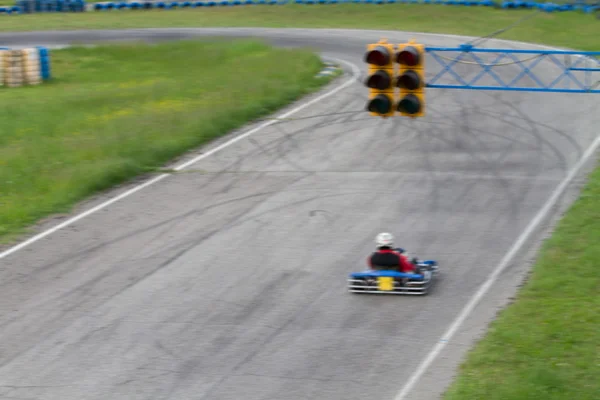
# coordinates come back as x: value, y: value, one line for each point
x: 390, y: 259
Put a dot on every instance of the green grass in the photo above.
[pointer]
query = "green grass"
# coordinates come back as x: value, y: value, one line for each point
x: 546, y: 345
x: 113, y: 112
x: 569, y: 29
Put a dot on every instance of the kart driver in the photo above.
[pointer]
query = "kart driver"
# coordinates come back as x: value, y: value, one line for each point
x: 386, y: 257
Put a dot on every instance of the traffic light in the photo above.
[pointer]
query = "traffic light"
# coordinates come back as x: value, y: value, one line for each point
x: 381, y: 79
x: 411, y: 79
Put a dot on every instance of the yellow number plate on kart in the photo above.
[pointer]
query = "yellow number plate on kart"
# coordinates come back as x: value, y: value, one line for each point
x: 385, y: 283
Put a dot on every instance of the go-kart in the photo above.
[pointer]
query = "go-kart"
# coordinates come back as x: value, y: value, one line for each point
x: 394, y: 282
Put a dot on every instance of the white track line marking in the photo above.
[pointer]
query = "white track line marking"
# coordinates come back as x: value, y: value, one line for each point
x: 354, y: 78
x: 483, y: 289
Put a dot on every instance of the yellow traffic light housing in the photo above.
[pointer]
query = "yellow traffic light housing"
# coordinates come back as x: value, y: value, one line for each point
x: 411, y: 79
x: 381, y: 79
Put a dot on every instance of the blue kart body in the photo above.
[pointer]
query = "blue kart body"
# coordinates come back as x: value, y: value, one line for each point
x: 394, y: 282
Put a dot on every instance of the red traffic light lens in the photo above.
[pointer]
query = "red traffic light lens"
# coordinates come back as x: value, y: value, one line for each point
x: 409, y: 80
x: 409, y: 56
x: 409, y: 104
x: 380, y: 80
x: 379, y: 56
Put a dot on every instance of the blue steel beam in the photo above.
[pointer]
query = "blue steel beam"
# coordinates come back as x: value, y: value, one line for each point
x: 579, y: 76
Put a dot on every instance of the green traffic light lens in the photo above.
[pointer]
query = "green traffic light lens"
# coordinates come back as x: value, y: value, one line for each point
x: 380, y: 105
x: 409, y: 105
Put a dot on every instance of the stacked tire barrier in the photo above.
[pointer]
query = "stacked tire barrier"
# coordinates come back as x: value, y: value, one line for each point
x: 10, y: 10
x: 170, y: 5
x: 37, y: 6
x: 550, y: 7
x: 30, y: 66
x: 44, y: 6
x: 29, y: 6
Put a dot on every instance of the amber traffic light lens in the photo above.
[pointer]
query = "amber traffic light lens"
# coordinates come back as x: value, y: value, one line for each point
x: 380, y: 80
x: 409, y: 80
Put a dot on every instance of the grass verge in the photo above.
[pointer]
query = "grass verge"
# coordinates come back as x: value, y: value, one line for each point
x: 546, y: 345
x: 569, y: 29
x: 119, y: 110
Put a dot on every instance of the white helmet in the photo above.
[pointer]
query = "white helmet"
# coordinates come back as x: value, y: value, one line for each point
x: 384, y: 239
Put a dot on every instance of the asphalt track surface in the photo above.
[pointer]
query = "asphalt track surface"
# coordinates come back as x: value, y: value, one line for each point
x: 228, y: 281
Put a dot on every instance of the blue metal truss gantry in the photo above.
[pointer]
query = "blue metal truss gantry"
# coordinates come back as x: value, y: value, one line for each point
x: 533, y: 70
